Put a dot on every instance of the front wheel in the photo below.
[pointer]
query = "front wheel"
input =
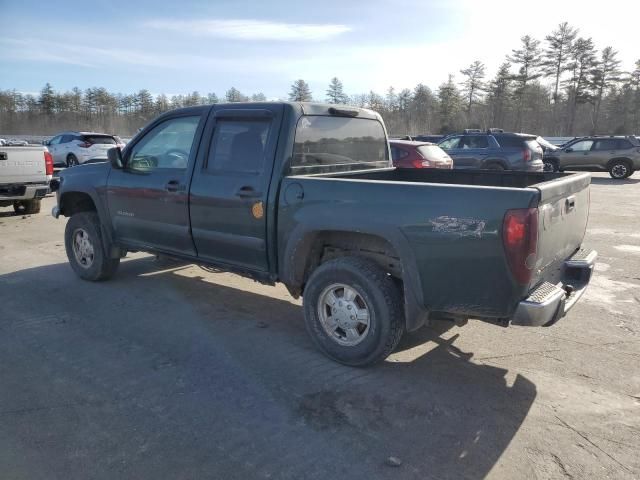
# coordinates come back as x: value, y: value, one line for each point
x: 550, y: 165
x: 353, y: 311
x: 620, y: 169
x: 86, y: 251
x: 72, y: 160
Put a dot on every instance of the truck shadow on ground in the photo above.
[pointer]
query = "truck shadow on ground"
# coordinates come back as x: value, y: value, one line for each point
x: 244, y: 366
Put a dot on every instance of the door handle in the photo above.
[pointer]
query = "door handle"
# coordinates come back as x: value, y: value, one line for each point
x: 247, y: 191
x: 173, y: 186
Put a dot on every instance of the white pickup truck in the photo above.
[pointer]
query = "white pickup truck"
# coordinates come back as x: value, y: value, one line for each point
x: 25, y: 173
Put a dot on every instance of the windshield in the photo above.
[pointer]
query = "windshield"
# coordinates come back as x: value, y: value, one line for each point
x: 337, y: 144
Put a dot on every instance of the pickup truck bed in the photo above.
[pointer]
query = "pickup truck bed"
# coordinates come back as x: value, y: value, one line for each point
x: 303, y: 194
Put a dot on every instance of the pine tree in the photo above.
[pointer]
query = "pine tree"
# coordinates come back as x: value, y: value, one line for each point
x: 300, y: 92
x: 473, y: 84
x: 47, y: 99
x: 528, y: 59
x: 258, y: 97
x: 499, y: 92
x: 450, y: 105
x: 212, y: 98
x: 583, y: 61
x: 391, y: 100
x: 335, y: 92
x: 556, y: 56
x: 606, y: 75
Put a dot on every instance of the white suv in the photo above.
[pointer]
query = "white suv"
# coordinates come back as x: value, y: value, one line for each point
x: 74, y: 148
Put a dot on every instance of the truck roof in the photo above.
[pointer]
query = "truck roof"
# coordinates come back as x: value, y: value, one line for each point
x: 302, y: 108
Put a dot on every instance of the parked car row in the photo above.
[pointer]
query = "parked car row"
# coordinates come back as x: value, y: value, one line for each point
x: 495, y: 149
x: 13, y: 142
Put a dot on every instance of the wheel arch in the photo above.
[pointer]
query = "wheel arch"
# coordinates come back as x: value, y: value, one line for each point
x: 307, y: 249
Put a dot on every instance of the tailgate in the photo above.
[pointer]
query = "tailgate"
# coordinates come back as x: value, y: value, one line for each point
x: 563, y: 212
x: 22, y: 165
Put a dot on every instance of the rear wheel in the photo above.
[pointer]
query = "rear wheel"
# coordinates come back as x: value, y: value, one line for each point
x: 86, y: 251
x: 620, y: 169
x: 26, y: 207
x: 353, y: 311
x: 72, y: 160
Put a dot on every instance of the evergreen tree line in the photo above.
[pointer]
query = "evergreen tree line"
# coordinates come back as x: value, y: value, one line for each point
x: 561, y: 86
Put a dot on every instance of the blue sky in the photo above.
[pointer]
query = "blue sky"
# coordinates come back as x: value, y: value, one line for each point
x: 209, y: 46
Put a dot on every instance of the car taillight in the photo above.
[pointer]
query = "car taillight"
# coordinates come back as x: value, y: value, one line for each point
x: 417, y: 163
x: 526, y: 155
x: 85, y: 144
x: 520, y: 240
x: 48, y: 163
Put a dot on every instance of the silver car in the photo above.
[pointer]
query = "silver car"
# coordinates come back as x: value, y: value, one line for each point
x: 75, y: 148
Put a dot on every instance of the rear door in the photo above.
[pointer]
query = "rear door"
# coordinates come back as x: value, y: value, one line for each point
x: 230, y: 185
x: 603, y: 150
x: 475, y: 149
x: 148, y: 198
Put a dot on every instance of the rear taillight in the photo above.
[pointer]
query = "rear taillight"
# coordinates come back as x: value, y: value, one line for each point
x: 417, y: 163
x: 520, y: 239
x: 526, y: 155
x: 48, y: 163
x: 85, y: 144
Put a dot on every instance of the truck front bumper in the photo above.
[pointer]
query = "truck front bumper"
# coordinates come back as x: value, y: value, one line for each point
x: 548, y: 303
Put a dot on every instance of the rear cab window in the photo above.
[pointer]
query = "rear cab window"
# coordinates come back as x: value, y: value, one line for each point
x: 100, y: 139
x: 338, y: 144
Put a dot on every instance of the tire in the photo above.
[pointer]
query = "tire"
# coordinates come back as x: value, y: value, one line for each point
x: 620, y: 169
x: 374, y: 289
x: 72, y: 160
x: 91, y: 264
x: 26, y: 207
x: 550, y: 165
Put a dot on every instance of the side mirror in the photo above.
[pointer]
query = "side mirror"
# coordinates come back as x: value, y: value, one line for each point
x: 568, y: 150
x: 115, y: 158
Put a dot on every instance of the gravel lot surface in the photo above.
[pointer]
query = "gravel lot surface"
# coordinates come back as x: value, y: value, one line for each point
x: 170, y: 371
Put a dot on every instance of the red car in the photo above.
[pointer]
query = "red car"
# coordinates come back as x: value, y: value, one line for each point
x: 409, y: 154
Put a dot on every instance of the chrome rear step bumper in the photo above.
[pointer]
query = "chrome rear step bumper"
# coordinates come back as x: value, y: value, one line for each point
x: 548, y: 302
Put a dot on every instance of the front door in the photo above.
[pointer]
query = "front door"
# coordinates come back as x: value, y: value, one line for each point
x: 453, y: 146
x: 230, y: 186
x: 577, y: 155
x: 148, y: 198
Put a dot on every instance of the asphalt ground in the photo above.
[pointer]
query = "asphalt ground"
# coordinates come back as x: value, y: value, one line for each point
x: 171, y: 371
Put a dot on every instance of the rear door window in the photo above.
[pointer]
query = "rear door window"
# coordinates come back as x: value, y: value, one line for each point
x: 605, y: 144
x: 474, y: 141
x: 623, y: 144
x: 238, y: 146
x: 398, y: 153
x: 511, y: 142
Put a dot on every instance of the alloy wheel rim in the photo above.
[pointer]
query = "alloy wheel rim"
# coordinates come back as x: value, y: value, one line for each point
x: 83, y: 248
x: 344, y: 314
x: 619, y: 170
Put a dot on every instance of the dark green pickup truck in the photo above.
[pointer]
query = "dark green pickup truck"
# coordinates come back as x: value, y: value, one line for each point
x: 304, y: 194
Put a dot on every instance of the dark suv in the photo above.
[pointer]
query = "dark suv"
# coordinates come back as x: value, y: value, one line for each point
x: 620, y: 156
x: 494, y: 150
